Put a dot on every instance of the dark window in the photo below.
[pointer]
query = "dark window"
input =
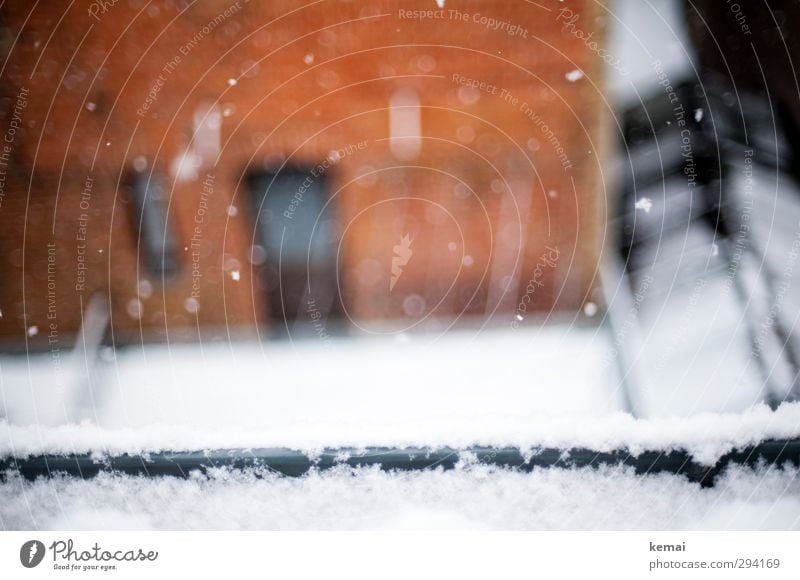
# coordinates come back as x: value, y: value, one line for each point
x: 296, y: 227
x: 155, y: 238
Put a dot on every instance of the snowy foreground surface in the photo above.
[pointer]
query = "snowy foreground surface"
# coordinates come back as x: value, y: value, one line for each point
x: 416, y: 377
x: 552, y: 387
x: 479, y: 498
x: 539, y: 387
x: 706, y: 436
x: 545, y: 387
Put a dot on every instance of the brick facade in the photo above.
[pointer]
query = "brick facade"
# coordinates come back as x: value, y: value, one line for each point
x: 485, y: 180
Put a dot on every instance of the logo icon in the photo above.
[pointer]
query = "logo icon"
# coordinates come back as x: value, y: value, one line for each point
x: 31, y: 553
x: 402, y: 254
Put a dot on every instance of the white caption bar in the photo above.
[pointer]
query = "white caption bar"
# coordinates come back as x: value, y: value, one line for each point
x: 388, y: 555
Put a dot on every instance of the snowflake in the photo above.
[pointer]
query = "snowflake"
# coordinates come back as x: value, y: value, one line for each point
x: 645, y: 203
x: 574, y: 75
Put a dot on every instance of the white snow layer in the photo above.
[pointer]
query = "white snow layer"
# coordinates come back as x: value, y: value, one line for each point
x: 475, y: 498
x: 409, y: 377
x: 707, y: 436
x: 527, y: 388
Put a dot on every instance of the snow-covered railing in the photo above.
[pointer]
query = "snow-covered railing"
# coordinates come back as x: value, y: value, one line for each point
x: 293, y: 463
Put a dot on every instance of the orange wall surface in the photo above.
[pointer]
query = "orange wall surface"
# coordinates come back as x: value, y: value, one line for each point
x: 92, y: 90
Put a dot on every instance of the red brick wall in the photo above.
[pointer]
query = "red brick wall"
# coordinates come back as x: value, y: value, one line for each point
x: 309, y: 80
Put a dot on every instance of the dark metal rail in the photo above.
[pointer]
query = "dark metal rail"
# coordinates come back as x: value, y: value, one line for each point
x: 295, y: 463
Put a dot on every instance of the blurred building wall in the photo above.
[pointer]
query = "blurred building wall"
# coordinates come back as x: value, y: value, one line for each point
x: 204, y: 95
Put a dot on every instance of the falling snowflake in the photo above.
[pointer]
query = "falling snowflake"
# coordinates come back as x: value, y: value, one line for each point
x: 645, y: 203
x: 574, y: 75
x: 185, y: 166
x: 714, y: 250
x: 698, y: 115
x: 235, y: 275
x: 519, y: 316
x: 33, y: 330
x: 440, y: 3
x: 191, y: 305
x: 308, y: 59
x: 232, y: 82
x: 590, y: 309
x: 145, y: 289
x: 135, y: 308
